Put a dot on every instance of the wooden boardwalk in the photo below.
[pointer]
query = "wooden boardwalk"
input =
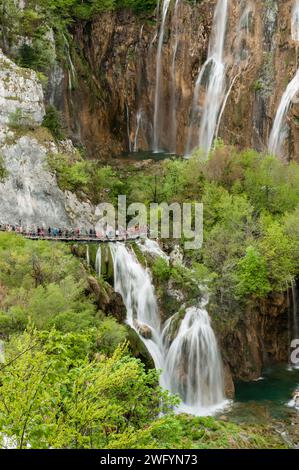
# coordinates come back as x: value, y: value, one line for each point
x: 83, y: 239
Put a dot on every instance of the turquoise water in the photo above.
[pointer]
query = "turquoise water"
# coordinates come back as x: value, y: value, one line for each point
x: 267, y: 397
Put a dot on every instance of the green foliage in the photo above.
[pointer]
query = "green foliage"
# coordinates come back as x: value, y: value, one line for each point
x: 161, y: 270
x: 20, y: 120
x: 243, y: 193
x: 251, y: 275
x: 110, y: 335
x: 53, y: 121
x: 50, y: 398
x: 47, y: 287
x: 3, y: 170
x: 278, y: 250
x: 71, y: 175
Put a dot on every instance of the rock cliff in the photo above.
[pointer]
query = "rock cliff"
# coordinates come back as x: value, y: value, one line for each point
x: 29, y: 191
x: 109, y: 103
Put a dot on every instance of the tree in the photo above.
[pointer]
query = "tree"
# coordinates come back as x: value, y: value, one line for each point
x: 251, y: 276
x: 53, y: 398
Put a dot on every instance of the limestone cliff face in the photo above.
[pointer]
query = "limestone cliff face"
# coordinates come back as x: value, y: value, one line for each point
x: 110, y: 106
x: 29, y: 191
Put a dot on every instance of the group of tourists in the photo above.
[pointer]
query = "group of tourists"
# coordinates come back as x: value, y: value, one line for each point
x: 106, y: 233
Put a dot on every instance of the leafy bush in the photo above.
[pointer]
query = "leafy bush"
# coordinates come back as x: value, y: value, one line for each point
x: 252, y: 276
x: 161, y: 270
x: 53, y: 121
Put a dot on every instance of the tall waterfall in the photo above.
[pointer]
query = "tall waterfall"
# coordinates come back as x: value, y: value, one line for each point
x: 156, y: 129
x: 279, y: 131
x: 295, y: 21
x: 191, y: 363
x: 173, y: 88
x: 214, y: 68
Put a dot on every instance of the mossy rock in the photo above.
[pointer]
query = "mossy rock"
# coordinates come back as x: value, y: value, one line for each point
x: 138, y: 349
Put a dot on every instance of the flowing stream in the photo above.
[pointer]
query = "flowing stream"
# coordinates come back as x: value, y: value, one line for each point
x: 190, y: 361
x: 214, y: 69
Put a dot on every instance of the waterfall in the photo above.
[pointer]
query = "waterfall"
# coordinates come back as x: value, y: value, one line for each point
x: 138, y: 126
x: 295, y: 21
x: 98, y: 264
x: 128, y: 127
x: 190, y: 363
x: 173, y: 96
x: 214, y: 69
x: 87, y: 256
x: 134, y: 284
x: 153, y: 248
x: 193, y: 366
x: 279, y: 131
x: 156, y: 129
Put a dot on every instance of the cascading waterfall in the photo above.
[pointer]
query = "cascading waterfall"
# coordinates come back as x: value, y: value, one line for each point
x: 214, y: 67
x: 128, y: 127
x: 138, y: 127
x: 87, y: 256
x: 134, y: 284
x: 98, y: 263
x: 191, y: 363
x: 193, y: 366
x: 280, y: 127
x: 156, y: 127
x: 295, y: 21
x: 173, y: 96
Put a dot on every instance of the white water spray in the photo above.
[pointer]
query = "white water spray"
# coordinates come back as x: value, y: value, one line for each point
x: 98, y: 264
x: 87, y: 256
x: 280, y: 128
x: 193, y: 367
x: 295, y: 21
x: 128, y: 127
x: 138, y: 127
x: 214, y: 67
x: 190, y: 362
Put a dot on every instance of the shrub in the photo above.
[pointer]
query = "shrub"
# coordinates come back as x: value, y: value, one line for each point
x: 53, y: 122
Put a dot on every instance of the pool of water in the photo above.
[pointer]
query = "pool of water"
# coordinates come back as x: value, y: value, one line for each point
x: 267, y: 397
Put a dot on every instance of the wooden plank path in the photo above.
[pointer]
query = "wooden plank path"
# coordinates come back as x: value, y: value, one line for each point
x: 82, y: 239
